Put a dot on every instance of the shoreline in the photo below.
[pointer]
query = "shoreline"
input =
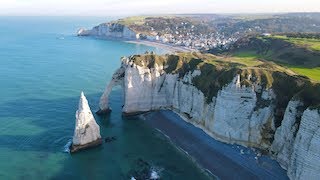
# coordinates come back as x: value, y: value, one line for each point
x: 223, y: 160
x: 208, y: 172
x: 169, y: 47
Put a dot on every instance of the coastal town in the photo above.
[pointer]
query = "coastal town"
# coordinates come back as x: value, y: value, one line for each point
x: 191, y: 40
x: 186, y: 32
x: 186, y: 35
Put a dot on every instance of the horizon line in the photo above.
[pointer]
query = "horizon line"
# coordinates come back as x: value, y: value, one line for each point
x: 156, y: 14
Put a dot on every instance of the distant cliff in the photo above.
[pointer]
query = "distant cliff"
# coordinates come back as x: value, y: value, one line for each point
x: 109, y: 30
x: 260, y: 105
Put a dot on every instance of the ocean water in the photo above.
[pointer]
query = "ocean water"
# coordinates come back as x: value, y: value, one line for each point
x: 43, y: 69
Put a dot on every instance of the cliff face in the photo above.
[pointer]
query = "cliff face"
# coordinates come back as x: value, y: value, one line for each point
x: 231, y: 117
x: 305, y: 158
x: 109, y: 30
x: 285, y: 135
x: 235, y: 114
x: 297, y: 142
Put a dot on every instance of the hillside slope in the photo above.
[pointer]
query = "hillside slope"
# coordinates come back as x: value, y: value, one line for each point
x: 301, y: 55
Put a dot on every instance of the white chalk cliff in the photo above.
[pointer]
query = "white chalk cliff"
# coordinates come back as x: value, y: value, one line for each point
x: 109, y: 30
x: 232, y: 116
x: 297, y: 142
x: 87, y: 131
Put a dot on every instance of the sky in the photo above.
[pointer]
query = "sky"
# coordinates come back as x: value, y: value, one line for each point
x: 145, y: 7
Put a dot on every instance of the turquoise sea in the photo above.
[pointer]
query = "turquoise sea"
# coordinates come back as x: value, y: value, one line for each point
x: 43, y: 69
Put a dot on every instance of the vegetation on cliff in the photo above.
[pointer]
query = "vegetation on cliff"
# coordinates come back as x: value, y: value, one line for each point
x: 300, y: 55
x: 218, y: 71
x: 291, y: 65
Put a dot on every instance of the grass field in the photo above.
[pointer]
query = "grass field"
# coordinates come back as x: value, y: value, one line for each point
x: 138, y: 20
x: 247, y: 58
x: 312, y: 73
x: 312, y: 44
x: 311, y: 70
x: 252, y: 59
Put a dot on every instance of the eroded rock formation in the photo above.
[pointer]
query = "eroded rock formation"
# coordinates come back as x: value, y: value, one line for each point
x: 87, y: 131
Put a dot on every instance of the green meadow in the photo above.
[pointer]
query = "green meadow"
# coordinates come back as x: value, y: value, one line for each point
x: 312, y: 44
x: 312, y: 73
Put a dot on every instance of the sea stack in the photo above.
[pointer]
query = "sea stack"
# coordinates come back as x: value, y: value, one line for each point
x: 87, y: 131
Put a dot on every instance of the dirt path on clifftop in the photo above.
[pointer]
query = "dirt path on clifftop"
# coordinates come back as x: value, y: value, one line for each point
x: 223, y: 160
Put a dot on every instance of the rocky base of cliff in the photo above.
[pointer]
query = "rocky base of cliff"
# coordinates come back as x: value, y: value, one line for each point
x: 76, y: 148
x: 103, y: 112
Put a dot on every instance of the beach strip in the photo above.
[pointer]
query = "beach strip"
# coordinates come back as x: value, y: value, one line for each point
x: 223, y: 160
x: 168, y: 47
